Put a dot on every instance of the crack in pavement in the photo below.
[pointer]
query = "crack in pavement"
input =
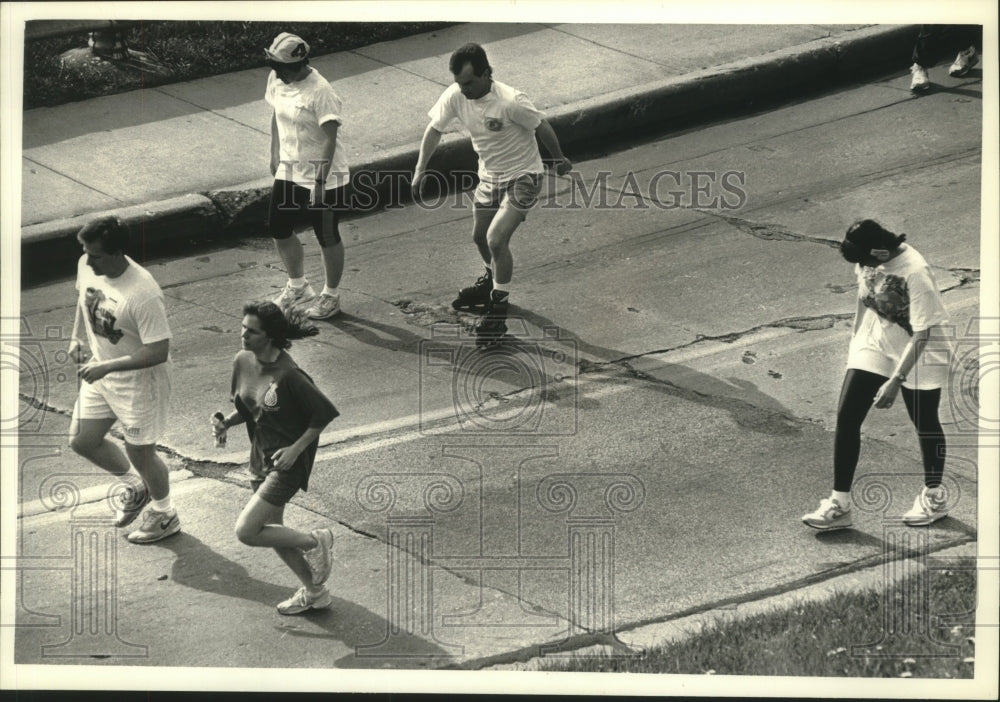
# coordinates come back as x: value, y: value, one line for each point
x: 768, y: 231
x: 816, y: 323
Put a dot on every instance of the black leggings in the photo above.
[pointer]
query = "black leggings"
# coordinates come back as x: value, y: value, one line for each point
x: 857, y: 397
x: 937, y: 41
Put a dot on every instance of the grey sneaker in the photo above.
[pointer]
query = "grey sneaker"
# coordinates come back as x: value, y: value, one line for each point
x: 320, y: 557
x: 920, y: 81
x: 292, y: 296
x: 302, y: 601
x: 830, y: 515
x: 324, y: 307
x: 931, y: 505
x: 963, y: 62
x: 156, y: 526
x: 135, y: 498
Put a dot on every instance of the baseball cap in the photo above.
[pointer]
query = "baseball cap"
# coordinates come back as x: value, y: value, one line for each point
x: 287, y: 48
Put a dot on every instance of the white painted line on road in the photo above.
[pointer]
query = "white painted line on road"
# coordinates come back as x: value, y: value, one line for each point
x: 686, y: 355
x: 608, y: 389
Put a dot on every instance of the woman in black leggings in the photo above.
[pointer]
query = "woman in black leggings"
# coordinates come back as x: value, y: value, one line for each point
x: 893, y: 352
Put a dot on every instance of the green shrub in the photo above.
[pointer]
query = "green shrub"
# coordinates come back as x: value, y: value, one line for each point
x: 190, y: 50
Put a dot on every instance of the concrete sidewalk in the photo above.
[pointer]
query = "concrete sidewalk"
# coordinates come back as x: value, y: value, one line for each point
x: 189, y: 160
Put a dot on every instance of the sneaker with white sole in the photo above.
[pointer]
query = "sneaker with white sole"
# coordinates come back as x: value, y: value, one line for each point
x: 135, y: 497
x: 156, y: 526
x: 830, y: 515
x: 292, y: 296
x: 302, y: 601
x: 929, y: 506
x: 920, y: 80
x: 964, y: 62
x: 320, y: 557
x: 324, y: 307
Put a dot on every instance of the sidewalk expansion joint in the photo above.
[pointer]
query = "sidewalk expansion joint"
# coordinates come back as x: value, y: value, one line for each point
x: 607, y: 47
x: 73, y: 180
x: 204, y: 108
x: 399, y: 67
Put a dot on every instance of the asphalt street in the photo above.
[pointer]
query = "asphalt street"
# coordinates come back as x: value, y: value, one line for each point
x: 643, y: 450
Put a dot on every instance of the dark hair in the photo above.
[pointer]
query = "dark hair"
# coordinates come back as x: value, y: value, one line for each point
x: 110, y: 231
x: 470, y: 53
x: 865, y: 235
x: 280, y: 328
x: 297, y: 66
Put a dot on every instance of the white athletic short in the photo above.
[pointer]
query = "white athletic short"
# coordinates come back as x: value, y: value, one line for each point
x: 138, y: 399
x: 521, y: 193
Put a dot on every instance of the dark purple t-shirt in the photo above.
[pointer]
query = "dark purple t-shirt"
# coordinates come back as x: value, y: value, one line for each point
x: 278, y: 401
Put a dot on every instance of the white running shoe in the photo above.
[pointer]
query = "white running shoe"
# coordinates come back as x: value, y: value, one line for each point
x: 320, y: 557
x: 302, y: 601
x: 920, y: 80
x: 830, y: 515
x: 931, y: 505
x: 964, y: 62
x: 156, y: 526
x: 292, y: 296
x: 324, y: 307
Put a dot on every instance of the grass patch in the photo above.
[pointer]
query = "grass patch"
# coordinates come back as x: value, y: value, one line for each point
x: 820, y: 639
x: 190, y: 50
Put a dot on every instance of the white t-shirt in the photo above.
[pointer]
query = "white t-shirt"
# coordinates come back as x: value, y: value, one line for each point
x: 502, y: 126
x: 300, y: 108
x: 900, y: 297
x: 120, y: 314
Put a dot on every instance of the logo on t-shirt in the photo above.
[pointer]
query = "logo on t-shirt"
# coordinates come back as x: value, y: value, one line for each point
x: 270, y: 403
x: 494, y: 124
x: 888, y: 296
x: 102, y: 319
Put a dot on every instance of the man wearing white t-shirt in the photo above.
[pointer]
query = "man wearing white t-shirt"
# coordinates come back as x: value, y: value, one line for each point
x: 127, y: 378
x: 502, y: 124
x: 310, y: 172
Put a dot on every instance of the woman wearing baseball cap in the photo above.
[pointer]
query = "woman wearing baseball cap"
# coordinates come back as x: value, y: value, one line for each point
x: 897, y: 348
x: 310, y: 172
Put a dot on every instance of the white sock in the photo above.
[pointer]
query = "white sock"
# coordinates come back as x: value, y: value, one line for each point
x: 164, y: 505
x: 298, y: 282
x: 844, y: 498
x: 501, y: 287
x: 327, y: 290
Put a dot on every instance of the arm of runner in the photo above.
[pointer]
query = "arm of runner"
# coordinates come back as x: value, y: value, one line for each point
x: 275, y: 145
x: 316, y: 406
x: 547, y: 135
x: 432, y: 137
x: 907, y: 360
x: 285, y: 457
x: 146, y: 356
x: 76, y: 350
x: 220, y: 427
x: 859, y: 312
x: 326, y: 160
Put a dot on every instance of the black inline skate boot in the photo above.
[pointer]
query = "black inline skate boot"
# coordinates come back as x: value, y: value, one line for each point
x: 492, y: 326
x: 476, y: 296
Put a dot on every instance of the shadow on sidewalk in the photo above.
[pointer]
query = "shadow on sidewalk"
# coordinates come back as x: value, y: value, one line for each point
x: 372, y: 333
x: 749, y: 407
x: 199, y: 567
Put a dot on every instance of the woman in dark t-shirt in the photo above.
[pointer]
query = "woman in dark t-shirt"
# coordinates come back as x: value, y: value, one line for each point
x: 284, y: 413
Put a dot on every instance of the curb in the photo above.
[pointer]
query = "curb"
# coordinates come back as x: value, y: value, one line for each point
x: 50, y: 249
x: 875, y: 578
